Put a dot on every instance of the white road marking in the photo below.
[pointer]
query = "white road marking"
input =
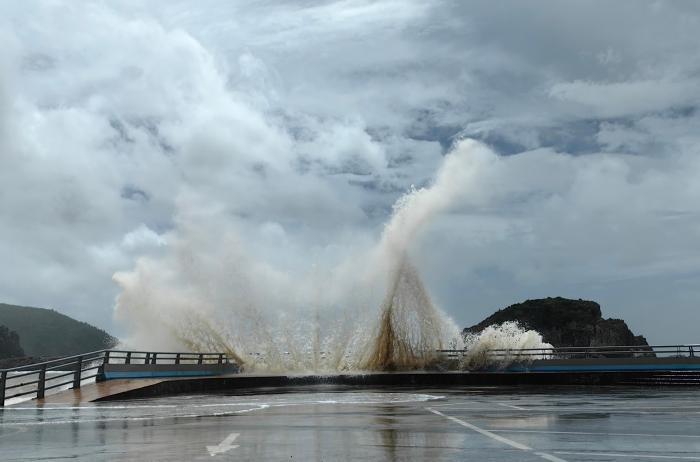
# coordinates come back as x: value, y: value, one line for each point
x: 640, y: 456
x: 568, y: 410
x: 537, y: 406
x: 502, y: 439
x: 410, y: 398
x: 129, y: 419
x: 549, y: 457
x: 224, y: 446
x: 646, y: 435
x: 512, y: 406
x: 496, y: 437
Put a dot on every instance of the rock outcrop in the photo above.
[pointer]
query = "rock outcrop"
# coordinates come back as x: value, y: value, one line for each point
x: 565, y: 323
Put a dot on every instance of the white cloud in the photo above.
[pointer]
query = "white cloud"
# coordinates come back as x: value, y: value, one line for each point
x: 621, y: 99
x: 290, y: 128
x: 142, y: 236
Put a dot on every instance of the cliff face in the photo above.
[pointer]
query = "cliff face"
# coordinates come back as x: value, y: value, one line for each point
x: 565, y: 323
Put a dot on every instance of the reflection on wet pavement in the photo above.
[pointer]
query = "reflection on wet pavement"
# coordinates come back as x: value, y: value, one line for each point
x: 332, y: 423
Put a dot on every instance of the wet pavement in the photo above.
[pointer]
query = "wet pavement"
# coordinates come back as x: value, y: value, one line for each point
x: 329, y: 423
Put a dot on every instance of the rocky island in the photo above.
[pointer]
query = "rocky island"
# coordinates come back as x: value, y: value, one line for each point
x: 564, y: 322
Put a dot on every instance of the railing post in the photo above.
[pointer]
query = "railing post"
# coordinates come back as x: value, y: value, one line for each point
x: 221, y: 358
x: 155, y: 355
x: 200, y: 359
x: 691, y: 351
x: 148, y: 359
x: 128, y: 358
x: 106, y: 360
x: 3, y: 381
x: 78, y: 372
x: 177, y: 358
x: 41, y: 386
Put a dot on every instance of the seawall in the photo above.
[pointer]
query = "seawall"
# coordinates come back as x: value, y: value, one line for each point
x: 242, y: 382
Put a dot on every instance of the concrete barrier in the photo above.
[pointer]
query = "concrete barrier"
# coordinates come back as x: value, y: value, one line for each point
x: 278, y: 383
x: 139, y: 371
x: 608, y: 364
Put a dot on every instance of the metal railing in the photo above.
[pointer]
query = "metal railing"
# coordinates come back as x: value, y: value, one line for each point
x: 160, y: 357
x: 34, y: 380
x: 623, y: 351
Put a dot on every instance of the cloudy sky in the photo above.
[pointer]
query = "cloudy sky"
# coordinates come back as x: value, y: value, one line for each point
x: 299, y: 123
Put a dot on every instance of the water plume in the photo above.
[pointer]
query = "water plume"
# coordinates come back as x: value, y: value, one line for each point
x: 369, y: 312
x: 410, y: 329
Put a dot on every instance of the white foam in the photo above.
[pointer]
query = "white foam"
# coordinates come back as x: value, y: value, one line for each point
x: 507, y: 336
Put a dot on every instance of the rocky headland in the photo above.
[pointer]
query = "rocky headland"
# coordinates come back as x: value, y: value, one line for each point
x: 565, y: 322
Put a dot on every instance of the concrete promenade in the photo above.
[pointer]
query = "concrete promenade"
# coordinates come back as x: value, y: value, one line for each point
x: 330, y: 422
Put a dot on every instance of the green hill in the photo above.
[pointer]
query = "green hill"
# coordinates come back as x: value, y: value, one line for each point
x: 48, y: 333
x: 9, y: 344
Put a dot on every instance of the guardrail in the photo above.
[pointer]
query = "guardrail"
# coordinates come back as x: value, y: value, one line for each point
x: 37, y: 379
x: 160, y: 357
x: 622, y: 351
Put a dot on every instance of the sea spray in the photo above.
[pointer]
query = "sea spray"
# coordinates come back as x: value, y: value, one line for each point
x: 369, y: 312
x: 506, y: 336
x: 410, y: 329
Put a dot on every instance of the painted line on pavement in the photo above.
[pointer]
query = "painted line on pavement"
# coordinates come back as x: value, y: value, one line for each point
x: 639, y: 456
x: 549, y: 457
x: 129, y: 419
x: 554, y: 432
x: 566, y: 410
x: 496, y: 437
x: 225, y: 446
x: 512, y: 406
